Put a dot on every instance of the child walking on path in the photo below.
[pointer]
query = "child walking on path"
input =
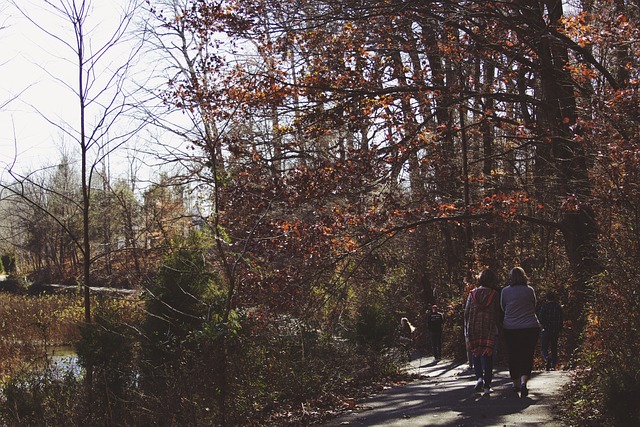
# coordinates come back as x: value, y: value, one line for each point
x: 405, y: 336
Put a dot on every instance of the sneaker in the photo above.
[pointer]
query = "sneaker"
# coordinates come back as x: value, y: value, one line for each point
x: 516, y: 387
x: 479, y: 385
x: 488, y: 389
x: 524, y: 391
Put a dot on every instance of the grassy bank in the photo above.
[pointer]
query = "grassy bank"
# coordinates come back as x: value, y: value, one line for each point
x: 31, y: 325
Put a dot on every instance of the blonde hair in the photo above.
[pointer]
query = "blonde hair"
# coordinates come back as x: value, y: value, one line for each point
x: 517, y: 276
x: 405, y: 320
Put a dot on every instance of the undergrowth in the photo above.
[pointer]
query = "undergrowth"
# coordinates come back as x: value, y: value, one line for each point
x: 606, y: 389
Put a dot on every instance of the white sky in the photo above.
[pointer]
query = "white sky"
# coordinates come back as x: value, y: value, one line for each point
x: 23, y: 48
x: 33, y: 66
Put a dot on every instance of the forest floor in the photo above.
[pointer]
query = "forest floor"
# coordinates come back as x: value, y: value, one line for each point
x: 444, y: 396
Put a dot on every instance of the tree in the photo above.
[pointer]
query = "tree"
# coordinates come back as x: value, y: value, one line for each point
x: 365, y: 135
x: 100, y: 91
x: 393, y: 78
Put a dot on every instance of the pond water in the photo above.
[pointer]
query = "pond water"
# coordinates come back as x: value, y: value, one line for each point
x: 64, y: 360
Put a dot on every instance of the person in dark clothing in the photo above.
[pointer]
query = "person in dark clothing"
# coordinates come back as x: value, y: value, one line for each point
x: 551, y: 320
x: 435, y: 321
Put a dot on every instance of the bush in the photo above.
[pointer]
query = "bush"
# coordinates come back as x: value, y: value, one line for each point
x: 607, y: 392
x: 373, y: 327
x: 280, y: 365
x: 39, y: 398
x: 14, y: 284
x: 35, y: 392
x: 181, y: 365
x: 183, y: 361
x: 622, y: 398
x: 106, y: 349
x: 8, y: 264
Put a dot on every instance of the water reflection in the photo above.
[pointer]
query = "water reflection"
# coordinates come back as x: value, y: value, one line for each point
x: 65, y: 360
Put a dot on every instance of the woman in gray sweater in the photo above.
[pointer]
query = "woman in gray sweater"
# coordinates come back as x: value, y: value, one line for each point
x: 521, y: 327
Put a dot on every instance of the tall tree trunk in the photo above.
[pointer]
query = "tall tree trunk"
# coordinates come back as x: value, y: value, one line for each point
x: 564, y: 156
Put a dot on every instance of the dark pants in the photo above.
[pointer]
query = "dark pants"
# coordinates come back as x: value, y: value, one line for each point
x: 549, y: 341
x: 483, y: 367
x: 436, y: 344
x: 522, y: 345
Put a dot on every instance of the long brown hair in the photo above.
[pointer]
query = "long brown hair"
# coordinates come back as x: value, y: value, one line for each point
x: 488, y: 278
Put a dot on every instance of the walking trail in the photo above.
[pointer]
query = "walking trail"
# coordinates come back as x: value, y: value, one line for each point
x: 445, y: 396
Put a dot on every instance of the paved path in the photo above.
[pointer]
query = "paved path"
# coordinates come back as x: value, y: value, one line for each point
x: 445, y: 397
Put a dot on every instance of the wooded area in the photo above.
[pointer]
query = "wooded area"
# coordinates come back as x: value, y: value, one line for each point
x: 344, y: 164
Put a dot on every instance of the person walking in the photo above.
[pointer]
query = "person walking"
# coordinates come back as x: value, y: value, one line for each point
x: 550, y: 316
x: 435, y: 322
x: 521, y: 327
x: 405, y: 336
x: 482, y: 316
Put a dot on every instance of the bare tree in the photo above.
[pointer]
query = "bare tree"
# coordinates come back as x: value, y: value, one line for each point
x: 103, y: 55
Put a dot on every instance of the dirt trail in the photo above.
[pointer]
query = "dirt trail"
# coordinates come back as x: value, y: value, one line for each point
x: 445, y: 397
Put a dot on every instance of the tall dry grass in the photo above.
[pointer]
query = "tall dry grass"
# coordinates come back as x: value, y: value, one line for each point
x: 30, y: 326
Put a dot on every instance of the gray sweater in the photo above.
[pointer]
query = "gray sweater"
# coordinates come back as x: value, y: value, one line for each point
x: 519, y: 306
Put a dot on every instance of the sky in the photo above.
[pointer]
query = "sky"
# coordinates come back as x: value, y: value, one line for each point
x: 23, y: 54
x: 35, y: 68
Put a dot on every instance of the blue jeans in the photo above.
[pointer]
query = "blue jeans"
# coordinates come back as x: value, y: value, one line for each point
x: 549, y: 341
x: 483, y: 367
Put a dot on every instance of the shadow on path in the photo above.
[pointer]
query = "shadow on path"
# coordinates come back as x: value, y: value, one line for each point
x: 445, y: 397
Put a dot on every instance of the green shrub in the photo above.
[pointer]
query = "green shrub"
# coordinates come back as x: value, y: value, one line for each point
x: 106, y: 348
x: 373, y: 327
x: 176, y: 302
x: 280, y: 364
x: 40, y: 397
x: 181, y: 367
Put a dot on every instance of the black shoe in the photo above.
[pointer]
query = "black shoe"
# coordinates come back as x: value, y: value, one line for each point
x: 524, y: 392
